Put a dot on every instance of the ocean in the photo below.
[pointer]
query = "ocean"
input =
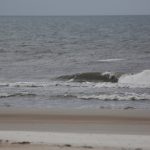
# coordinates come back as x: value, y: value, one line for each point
x: 75, y: 62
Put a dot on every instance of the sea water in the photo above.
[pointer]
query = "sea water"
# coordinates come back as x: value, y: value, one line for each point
x: 77, y: 62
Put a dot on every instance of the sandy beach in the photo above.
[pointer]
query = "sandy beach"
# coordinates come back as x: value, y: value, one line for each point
x: 74, y: 129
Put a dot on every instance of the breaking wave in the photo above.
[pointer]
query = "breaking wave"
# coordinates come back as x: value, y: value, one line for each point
x: 141, y: 79
x: 92, y: 77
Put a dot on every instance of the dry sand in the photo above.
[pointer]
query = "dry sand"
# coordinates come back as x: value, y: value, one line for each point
x: 53, y: 129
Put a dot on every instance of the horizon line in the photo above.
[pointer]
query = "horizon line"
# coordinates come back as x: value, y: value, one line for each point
x: 87, y: 15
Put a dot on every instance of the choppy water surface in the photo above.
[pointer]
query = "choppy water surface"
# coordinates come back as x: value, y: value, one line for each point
x: 96, y: 62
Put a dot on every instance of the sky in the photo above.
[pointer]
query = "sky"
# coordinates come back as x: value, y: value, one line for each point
x: 74, y: 7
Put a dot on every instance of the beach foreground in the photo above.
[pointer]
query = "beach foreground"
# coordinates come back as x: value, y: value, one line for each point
x: 74, y: 129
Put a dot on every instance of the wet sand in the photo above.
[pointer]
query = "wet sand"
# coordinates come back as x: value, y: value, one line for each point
x: 62, y: 127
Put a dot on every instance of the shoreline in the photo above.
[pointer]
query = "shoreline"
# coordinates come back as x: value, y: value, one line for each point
x: 116, y: 113
x: 78, y: 128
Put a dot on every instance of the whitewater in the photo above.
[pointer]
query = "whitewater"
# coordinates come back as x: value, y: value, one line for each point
x: 109, y: 79
x: 77, y: 88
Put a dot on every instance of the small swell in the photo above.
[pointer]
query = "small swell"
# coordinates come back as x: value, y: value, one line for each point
x: 65, y: 96
x: 7, y: 95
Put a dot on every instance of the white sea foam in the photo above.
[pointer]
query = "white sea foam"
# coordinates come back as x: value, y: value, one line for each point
x: 108, y: 73
x: 110, y: 60
x: 5, y: 95
x: 4, y: 84
x: 117, y: 97
x: 141, y: 79
x: 36, y: 84
x: 106, y: 85
x: 28, y: 84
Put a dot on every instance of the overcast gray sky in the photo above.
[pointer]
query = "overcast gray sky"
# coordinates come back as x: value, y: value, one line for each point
x: 74, y: 7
